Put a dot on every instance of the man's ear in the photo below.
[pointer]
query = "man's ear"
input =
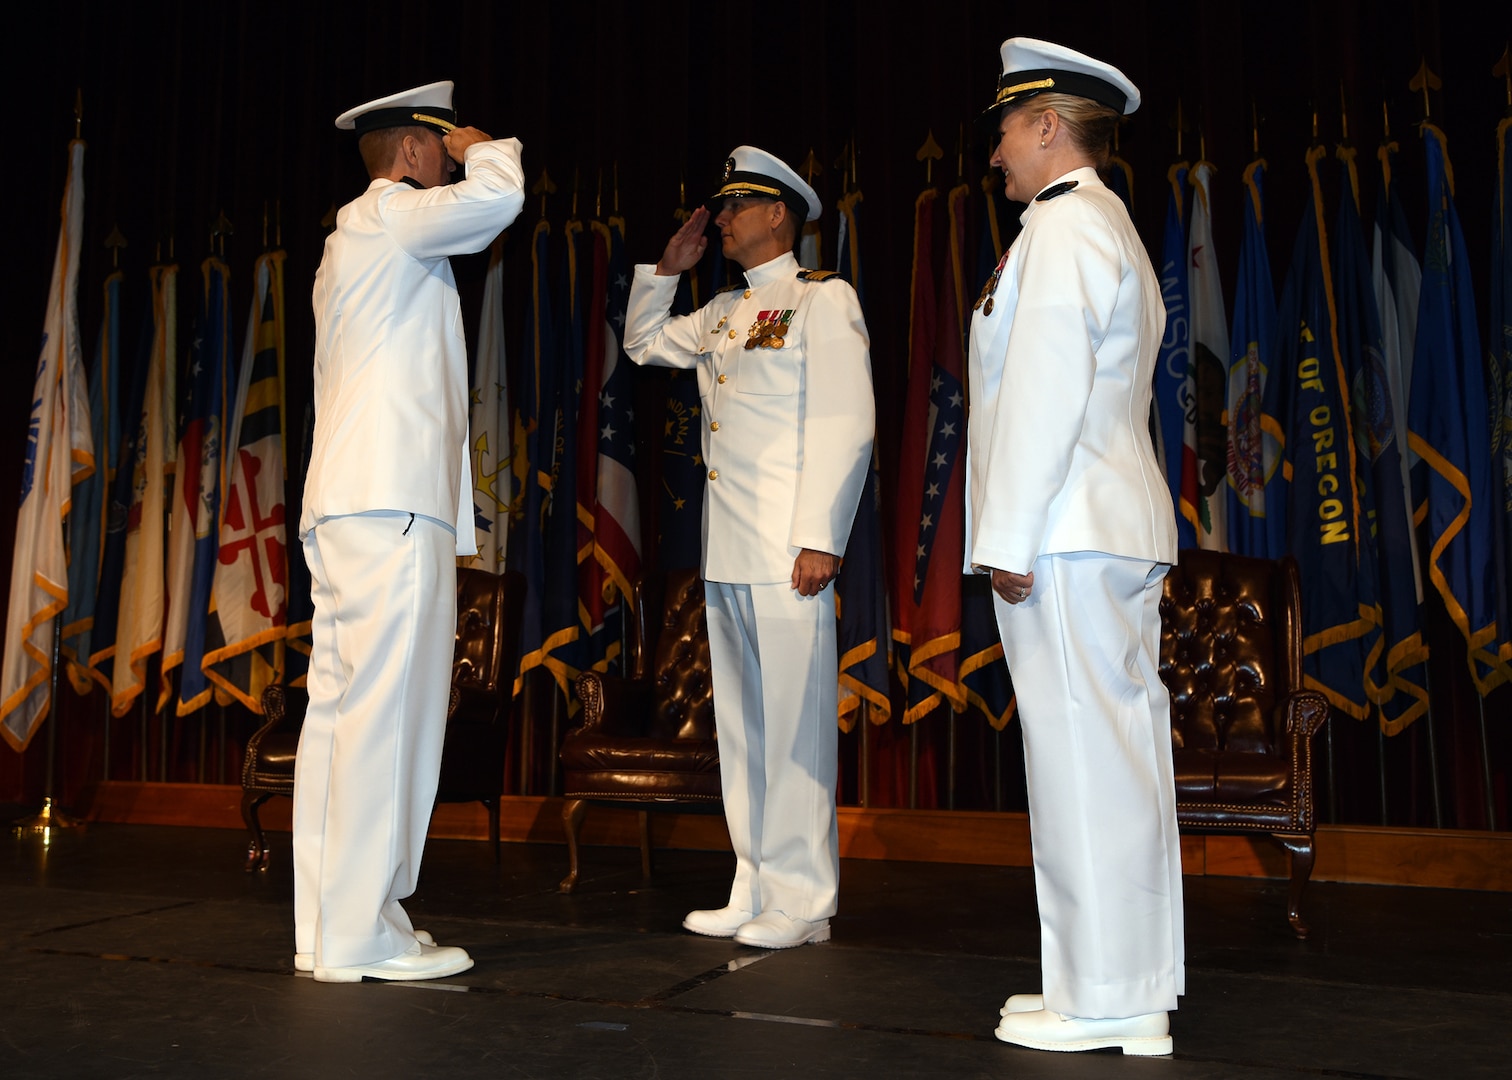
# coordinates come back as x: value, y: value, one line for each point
x: 779, y: 214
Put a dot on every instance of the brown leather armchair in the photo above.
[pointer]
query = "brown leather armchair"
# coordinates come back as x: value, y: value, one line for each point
x: 647, y: 740
x: 477, y: 723
x: 1242, y: 726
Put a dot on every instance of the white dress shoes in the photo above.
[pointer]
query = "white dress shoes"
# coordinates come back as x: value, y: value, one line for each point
x: 304, y: 961
x: 417, y: 962
x: 1146, y: 1035
x: 1023, y: 1003
x: 776, y: 930
x: 717, y: 922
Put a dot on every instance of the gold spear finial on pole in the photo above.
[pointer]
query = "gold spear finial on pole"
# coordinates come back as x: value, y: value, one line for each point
x: 1425, y: 80
x: 929, y: 153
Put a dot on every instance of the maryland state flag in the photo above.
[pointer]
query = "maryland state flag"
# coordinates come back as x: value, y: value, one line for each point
x: 488, y: 424
x: 1256, y: 525
x: 534, y: 434
x: 1204, y: 453
x: 139, y: 624
x: 1447, y: 423
x: 58, y: 455
x: 929, y: 526
x: 194, y: 532
x: 1172, y: 370
x: 245, y: 628
x: 91, y: 504
x: 1324, y: 513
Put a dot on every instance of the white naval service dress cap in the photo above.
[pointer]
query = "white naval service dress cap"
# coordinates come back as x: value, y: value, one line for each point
x: 1031, y: 67
x: 753, y: 173
x: 429, y: 106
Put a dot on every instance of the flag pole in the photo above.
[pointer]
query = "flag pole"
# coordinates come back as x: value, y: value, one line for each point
x: 50, y: 816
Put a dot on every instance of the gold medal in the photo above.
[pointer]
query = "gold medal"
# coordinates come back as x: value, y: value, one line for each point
x: 987, y: 307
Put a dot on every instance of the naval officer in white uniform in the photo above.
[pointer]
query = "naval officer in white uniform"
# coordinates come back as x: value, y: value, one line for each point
x: 784, y: 375
x: 387, y: 509
x: 1069, y: 512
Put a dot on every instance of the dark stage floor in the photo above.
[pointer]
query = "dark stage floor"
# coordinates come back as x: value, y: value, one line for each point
x: 146, y: 951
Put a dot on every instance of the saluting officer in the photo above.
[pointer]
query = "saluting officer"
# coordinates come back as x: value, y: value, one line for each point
x: 387, y: 508
x: 784, y: 375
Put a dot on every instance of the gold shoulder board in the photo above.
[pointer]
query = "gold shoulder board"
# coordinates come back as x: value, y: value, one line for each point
x: 730, y: 288
x: 816, y: 275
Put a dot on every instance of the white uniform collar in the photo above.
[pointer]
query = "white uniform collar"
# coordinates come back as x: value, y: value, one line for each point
x: 784, y: 265
x: 1086, y: 176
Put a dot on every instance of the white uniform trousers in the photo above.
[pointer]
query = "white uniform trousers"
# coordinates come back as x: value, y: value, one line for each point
x: 1084, y: 653
x: 369, y: 760
x: 775, y: 673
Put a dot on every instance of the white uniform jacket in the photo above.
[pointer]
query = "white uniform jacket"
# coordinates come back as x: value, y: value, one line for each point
x: 1060, y: 457
x: 787, y: 430
x: 391, y: 376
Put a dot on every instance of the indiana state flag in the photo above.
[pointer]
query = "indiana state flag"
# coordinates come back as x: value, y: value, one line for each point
x: 194, y: 533
x: 1254, y: 449
x: 1324, y: 516
x: 91, y: 503
x: 1173, y: 366
x: 534, y: 435
x: 1395, y: 676
x: 683, y: 476
x: 1447, y: 423
x: 59, y: 453
x: 246, y: 626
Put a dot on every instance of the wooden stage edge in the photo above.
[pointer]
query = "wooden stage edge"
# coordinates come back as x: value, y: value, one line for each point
x: 1434, y: 858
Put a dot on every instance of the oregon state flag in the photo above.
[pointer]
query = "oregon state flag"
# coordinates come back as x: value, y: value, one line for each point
x: 1324, y: 515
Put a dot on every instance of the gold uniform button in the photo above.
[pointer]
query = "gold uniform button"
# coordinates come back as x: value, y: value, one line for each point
x: 713, y: 474
x: 722, y: 378
x: 720, y: 326
x: 714, y: 426
x: 747, y: 294
x: 732, y: 335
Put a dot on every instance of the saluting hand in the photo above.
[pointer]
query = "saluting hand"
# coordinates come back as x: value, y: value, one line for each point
x: 457, y: 140
x: 686, y: 246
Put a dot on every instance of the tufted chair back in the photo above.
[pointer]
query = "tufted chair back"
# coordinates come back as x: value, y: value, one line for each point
x: 647, y: 740
x: 675, y: 655
x: 1241, y: 723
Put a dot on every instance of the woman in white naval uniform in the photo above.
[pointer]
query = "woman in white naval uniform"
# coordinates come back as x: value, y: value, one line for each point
x: 784, y: 377
x: 385, y: 514
x: 1069, y: 512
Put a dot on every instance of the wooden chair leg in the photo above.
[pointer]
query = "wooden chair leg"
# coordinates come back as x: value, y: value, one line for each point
x: 573, y: 812
x: 493, y: 825
x: 645, y: 844
x: 1301, y: 847
x: 257, y: 848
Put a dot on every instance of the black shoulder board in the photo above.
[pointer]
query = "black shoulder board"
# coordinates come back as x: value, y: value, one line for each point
x: 816, y: 275
x: 730, y: 288
x: 1054, y: 191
